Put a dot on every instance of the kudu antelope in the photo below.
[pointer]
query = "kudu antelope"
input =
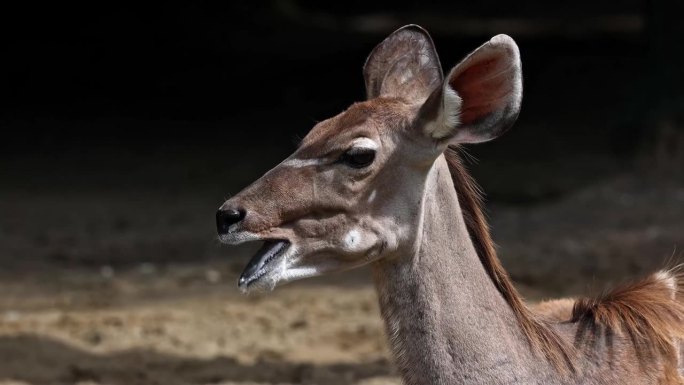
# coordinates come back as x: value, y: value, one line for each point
x: 382, y: 184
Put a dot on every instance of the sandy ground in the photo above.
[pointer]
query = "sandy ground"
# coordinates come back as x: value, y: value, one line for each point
x: 126, y: 288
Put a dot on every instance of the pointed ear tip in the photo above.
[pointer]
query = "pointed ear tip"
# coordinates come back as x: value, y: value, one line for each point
x: 413, y: 30
x: 409, y: 28
x: 412, y: 27
x: 504, y: 41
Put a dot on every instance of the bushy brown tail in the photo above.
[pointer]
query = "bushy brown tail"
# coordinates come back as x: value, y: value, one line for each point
x: 650, y: 312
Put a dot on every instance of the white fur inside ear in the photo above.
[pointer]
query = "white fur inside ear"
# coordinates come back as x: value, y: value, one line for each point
x: 448, y: 116
x: 482, y: 94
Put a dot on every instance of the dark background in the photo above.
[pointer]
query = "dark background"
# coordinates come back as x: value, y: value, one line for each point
x: 91, y: 88
x: 123, y: 127
x: 111, y: 100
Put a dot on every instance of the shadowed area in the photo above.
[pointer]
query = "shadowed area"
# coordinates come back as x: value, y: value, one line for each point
x: 126, y: 127
x: 60, y: 363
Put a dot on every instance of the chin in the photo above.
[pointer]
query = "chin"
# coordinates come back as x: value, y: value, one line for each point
x: 276, y: 263
x: 277, y: 277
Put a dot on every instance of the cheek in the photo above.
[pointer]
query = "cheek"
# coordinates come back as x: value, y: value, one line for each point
x: 317, y: 227
x: 352, y: 240
x: 372, y: 195
x: 356, y: 240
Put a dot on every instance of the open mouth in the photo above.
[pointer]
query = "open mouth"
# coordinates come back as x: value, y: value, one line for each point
x: 258, y: 266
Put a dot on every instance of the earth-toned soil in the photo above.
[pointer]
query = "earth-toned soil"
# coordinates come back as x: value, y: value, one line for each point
x: 77, y: 305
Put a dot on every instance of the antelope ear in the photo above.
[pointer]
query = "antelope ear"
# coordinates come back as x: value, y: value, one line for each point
x: 404, y: 65
x: 480, y: 98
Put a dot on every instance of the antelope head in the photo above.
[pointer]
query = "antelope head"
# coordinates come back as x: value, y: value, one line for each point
x: 352, y: 192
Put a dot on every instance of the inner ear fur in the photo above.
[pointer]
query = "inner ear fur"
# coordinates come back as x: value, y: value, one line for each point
x: 480, y: 97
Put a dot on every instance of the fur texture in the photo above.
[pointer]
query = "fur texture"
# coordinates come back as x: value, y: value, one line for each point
x: 452, y: 314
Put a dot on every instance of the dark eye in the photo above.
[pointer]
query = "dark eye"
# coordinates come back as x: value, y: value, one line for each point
x: 358, y: 157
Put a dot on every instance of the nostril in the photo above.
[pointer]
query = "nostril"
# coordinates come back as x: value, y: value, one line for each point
x: 226, y: 218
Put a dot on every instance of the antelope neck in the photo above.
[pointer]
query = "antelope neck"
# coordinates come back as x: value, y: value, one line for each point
x: 446, y: 321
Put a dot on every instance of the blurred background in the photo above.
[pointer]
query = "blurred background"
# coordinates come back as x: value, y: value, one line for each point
x: 124, y: 127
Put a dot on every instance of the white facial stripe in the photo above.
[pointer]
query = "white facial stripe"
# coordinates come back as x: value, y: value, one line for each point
x: 299, y: 163
x: 364, y: 143
x: 356, y: 143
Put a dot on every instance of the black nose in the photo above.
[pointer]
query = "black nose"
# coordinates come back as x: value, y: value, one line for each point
x: 226, y: 218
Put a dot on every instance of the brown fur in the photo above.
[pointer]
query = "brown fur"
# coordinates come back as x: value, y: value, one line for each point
x: 318, y: 140
x: 537, y: 332
x: 648, y: 311
x: 629, y: 335
x: 558, y: 310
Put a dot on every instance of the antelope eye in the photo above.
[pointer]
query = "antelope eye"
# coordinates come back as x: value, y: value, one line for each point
x: 358, y: 157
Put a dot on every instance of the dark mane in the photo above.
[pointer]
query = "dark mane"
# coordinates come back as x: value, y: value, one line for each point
x: 538, y: 333
x: 649, y: 312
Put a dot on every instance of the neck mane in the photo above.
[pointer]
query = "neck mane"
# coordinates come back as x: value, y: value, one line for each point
x: 453, y: 315
x: 538, y: 333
